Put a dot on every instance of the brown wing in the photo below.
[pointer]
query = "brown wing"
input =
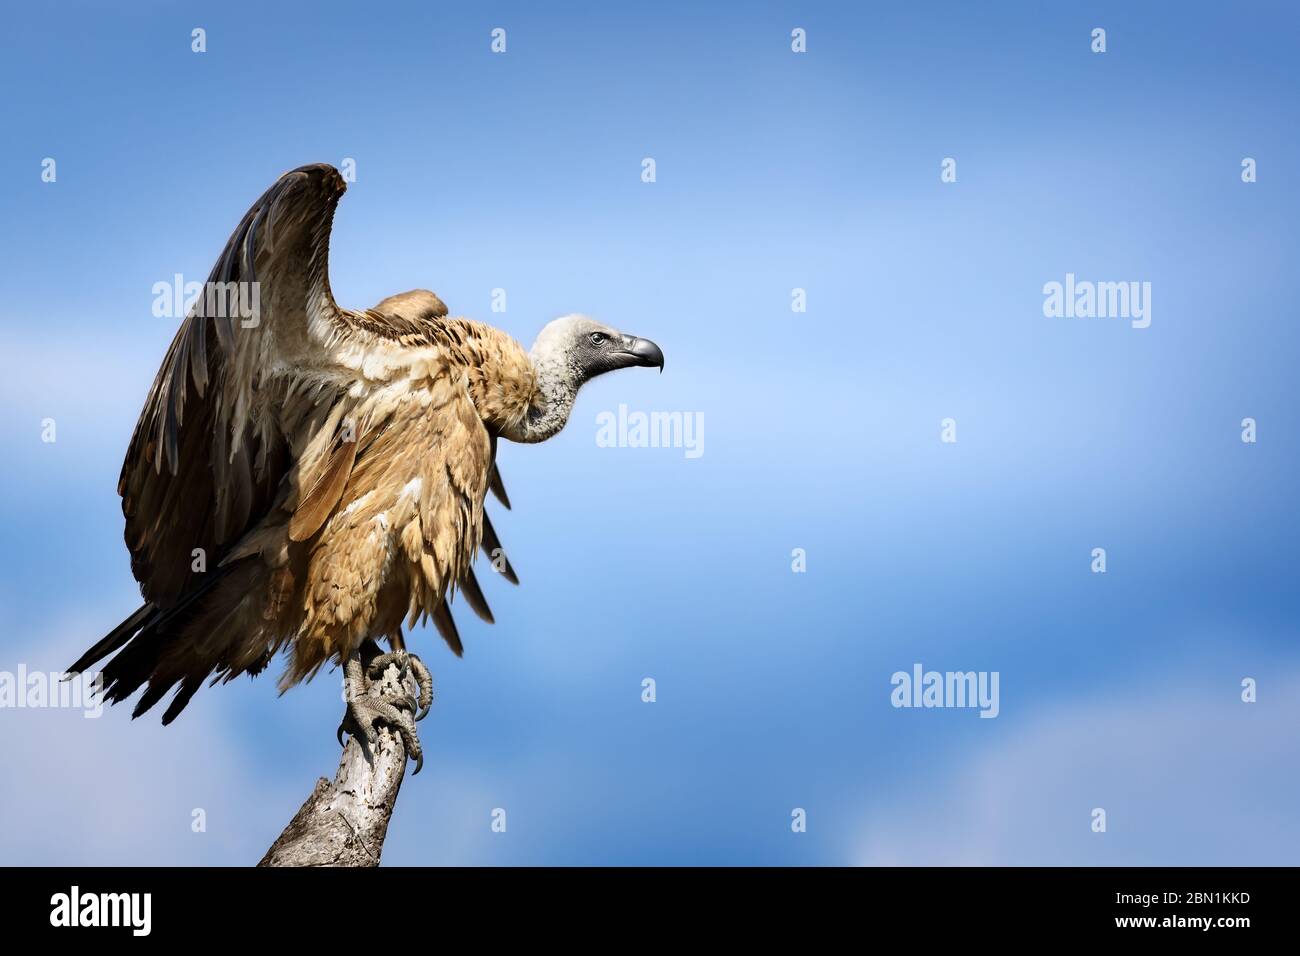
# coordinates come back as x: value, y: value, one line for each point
x: 207, y: 458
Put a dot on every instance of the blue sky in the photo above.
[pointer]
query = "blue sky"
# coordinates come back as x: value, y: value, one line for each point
x: 775, y: 171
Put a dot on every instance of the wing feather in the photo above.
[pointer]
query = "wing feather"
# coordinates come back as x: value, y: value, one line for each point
x: 446, y: 625
x: 207, y: 442
x: 492, y: 548
x: 469, y: 587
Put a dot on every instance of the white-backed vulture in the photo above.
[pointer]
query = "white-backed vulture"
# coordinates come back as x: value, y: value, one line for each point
x: 330, y: 466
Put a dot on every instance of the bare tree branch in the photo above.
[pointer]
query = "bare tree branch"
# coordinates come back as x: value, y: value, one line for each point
x: 344, y: 823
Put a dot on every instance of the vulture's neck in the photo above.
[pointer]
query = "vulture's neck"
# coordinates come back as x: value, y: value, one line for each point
x: 556, y: 390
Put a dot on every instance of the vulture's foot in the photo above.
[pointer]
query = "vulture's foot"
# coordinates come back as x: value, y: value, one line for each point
x: 409, y: 665
x: 365, y: 710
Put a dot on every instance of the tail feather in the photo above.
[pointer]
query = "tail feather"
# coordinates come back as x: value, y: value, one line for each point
x: 113, y: 640
x: 191, y: 684
x: 140, y: 641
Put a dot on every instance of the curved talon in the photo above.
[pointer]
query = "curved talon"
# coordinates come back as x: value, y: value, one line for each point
x: 366, y: 749
x: 424, y: 681
x: 359, y: 731
x: 339, y: 733
x: 405, y: 726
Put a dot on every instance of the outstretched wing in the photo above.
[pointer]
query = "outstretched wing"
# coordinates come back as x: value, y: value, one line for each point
x: 247, y: 439
x: 207, y: 457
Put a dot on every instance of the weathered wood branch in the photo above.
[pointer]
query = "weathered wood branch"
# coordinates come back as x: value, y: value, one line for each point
x: 344, y: 823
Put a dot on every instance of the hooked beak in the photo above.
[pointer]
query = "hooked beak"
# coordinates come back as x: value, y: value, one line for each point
x: 642, y: 352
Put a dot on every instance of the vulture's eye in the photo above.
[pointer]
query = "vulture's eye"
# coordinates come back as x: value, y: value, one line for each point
x: 598, y: 338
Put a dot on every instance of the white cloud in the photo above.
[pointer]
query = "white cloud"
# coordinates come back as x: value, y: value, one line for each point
x: 114, y: 791
x: 1187, y: 774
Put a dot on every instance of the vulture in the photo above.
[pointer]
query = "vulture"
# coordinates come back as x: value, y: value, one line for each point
x: 308, y: 478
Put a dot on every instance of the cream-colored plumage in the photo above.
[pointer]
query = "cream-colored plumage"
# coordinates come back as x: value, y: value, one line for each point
x: 329, y: 465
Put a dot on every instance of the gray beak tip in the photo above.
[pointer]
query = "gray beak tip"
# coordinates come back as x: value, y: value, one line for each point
x: 646, y: 353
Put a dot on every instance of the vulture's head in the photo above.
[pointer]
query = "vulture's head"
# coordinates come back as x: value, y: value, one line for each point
x: 568, y: 353
x: 580, y: 348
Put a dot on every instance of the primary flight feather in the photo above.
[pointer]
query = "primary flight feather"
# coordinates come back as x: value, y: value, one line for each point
x: 324, y: 469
